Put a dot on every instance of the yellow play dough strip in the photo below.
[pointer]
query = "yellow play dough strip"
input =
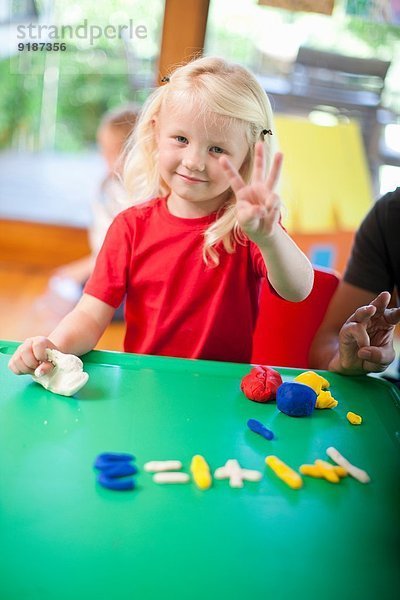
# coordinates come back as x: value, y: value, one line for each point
x: 284, y: 472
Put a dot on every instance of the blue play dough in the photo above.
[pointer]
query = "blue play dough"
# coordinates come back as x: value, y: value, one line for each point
x: 116, y: 470
x: 120, y: 484
x: 121, y: 469
x: 259, y: 428
x: 295, y: 399
x: 111, y: 458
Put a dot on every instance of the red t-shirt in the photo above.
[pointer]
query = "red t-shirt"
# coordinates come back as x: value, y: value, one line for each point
x: 176, y: 305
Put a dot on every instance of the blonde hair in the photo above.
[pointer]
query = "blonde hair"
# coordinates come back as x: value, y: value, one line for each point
x: 217, y: 87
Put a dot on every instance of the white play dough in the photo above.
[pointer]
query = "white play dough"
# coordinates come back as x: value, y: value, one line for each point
x: 171, y: 477
x: 236, y: 475
x: 355, y: 472
x: 157, y: 466
x: 66, y: 378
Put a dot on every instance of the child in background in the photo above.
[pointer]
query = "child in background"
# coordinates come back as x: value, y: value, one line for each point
x: 65, y: 287
x: 203, y: 231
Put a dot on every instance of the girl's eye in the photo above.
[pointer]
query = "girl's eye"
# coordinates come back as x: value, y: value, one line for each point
x: 181, y: 139
x: 216, y: 149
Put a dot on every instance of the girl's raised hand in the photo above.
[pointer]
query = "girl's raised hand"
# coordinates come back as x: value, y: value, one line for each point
x: 257, y: 204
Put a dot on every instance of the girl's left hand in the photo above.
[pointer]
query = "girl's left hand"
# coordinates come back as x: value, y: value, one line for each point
x: 257, y: 204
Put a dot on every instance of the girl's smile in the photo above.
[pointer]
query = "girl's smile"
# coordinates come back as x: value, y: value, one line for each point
x: 191, y: 179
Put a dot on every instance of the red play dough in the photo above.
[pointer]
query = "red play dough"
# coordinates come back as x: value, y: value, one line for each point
x: 261, y: 384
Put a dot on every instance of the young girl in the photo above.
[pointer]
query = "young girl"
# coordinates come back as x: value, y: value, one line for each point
x: 204, y: 230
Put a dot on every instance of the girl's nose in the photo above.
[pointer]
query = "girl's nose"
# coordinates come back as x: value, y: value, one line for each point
x: 193, y: 161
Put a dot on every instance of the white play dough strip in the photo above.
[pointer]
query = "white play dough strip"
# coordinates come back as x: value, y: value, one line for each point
x: 66, y: 378
x: 173, y: 477
x: 236, y: 475
x: 355, y: 472
x: 156, y: 466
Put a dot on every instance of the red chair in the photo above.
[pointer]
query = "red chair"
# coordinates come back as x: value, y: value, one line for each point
x: 285, y: 330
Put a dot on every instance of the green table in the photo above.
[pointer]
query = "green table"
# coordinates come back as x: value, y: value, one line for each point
x: 63, y: 537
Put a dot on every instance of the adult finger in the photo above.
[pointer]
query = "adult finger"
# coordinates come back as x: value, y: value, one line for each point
x: 362, y: 314
x: 392, y: 316
x: 258, y: 174
x: 370, y: 367
x: 274, y: 173
x: 353, y: 333
x: 235, y: 180
x: 380, y: 357
x: 381, y: 301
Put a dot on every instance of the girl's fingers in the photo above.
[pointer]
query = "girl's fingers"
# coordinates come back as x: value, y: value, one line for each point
x: 17, y: 366
x: 275, y: 171
x: 20, y: 363
x: 44, y: 368
x: 28, y: 358
x: 250, y: 214
x: 39, y: 346
x: 234, y: 178
x: 30, y: 355
x: 273, y: 203
x: 258, y: 175
x: 23, y: 359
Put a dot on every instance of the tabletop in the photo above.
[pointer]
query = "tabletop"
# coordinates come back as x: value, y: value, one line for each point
x: 63, y: 536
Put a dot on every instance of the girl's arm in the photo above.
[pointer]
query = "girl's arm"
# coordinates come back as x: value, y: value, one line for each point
x: 81, y: 329
x: 258, y: 210
x: 77, y: 333
x: 289, y: 270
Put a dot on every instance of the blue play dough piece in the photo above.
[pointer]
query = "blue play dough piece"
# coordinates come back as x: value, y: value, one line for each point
x: 120, y: 484
x: 121, y: 469
x: 259, y: 428
x: 107, y: 459
x: 116, y: 470
x: 295, y: 399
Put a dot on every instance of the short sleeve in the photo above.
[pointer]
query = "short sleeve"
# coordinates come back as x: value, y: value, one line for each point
x: 108, y: 281
x: 369, y: 266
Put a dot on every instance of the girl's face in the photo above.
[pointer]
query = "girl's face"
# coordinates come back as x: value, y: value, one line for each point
x: 190, y: 145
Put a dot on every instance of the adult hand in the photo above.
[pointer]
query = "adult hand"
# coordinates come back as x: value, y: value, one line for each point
x: 366, y: 338
x: 30, y: 355
x: 257, y: 204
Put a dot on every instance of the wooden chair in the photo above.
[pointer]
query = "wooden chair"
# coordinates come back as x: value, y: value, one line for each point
x: 285, y: 330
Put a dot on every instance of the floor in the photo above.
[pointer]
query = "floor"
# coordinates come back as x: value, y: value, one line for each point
x: 24, y: 309
x: 38, y: 188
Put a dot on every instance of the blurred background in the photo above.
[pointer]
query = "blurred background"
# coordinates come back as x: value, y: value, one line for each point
x: 331, y: 69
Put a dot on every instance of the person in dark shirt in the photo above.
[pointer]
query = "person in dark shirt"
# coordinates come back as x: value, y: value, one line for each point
x: 369, y: 293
